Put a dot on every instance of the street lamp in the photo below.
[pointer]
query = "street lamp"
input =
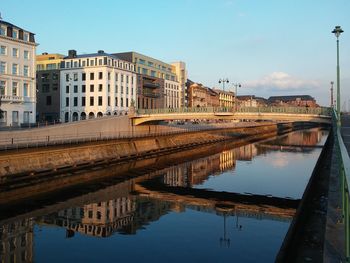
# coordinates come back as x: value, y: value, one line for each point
x: 236, y: 85
x: 223, y: 81
x: 337, y: 31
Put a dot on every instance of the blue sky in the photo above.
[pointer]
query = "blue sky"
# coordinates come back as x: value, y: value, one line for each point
x: 271, y: 47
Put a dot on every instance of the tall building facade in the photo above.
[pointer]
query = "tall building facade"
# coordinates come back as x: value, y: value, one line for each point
x: 17, y: 75
x: 48, y: 87
x: 94, y: 85
x: 181, y: 73
x: 158, y: 85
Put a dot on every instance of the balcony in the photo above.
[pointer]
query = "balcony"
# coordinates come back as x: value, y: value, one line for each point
x: 151, y: 94
x: 12, y: 99
x: 151, y: 85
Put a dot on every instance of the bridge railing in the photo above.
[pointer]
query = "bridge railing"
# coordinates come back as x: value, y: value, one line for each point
x: 325, y: 111
x: 344, y: 173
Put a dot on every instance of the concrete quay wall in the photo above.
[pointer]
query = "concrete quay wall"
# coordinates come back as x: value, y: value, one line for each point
x: 32, y: 161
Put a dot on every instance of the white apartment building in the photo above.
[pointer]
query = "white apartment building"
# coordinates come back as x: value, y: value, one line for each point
x: 172, y: 95
x: 17, y: 75
x: 95, y: 85
x: 181, y: 72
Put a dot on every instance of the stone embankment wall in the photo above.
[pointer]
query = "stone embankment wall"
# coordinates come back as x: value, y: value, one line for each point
x: 31, y: 161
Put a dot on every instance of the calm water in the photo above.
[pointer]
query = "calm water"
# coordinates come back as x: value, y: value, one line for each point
x: 163, y: 217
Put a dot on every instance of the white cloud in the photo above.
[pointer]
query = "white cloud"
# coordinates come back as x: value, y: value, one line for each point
x: 281, y: 81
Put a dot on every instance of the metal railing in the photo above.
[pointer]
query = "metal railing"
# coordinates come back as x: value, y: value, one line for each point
x: 22, y: 142
x: 324, y: 111
x: 344, y: 173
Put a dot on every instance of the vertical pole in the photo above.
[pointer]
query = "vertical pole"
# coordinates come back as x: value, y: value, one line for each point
x: 338, y: 85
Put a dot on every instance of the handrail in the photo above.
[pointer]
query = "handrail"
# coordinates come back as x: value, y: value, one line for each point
x: 325, y: 111
x: 344, y: 173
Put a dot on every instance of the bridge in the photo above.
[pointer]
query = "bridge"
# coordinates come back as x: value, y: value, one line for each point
x: 303, y: 114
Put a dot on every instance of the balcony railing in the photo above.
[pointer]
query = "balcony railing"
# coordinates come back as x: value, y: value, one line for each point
x: 10, y: 98
x: 151, y: 85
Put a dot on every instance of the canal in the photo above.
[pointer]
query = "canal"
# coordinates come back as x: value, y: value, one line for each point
x: 227, y: 204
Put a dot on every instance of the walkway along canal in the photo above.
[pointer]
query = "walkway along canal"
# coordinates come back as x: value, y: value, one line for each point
x: 210, y: 203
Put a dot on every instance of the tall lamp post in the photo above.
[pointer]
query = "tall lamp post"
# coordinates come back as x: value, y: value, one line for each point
x: 223, y: 81
x: 236, y: 85
x: 337, y: 31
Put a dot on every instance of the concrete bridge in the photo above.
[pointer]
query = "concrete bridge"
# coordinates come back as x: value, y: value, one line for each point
x: 318, y: 115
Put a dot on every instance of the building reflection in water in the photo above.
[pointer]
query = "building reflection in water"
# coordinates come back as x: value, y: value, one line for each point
x: 16, y: 241
x: 127, y: 212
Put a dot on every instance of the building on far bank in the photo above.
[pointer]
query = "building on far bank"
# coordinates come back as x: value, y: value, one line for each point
x: 157, y: 82
x: 197, y: 95
x: 293, y: 101
x: 226, y: 98
x: 94, y: 85
x: 48, y: 87
x: 181, y: 73
x: 17, y: 75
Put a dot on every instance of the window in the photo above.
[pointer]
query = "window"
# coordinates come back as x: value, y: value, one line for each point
x: 109, y: 101
x: 122, y: 77
x: 92, y: 76
x: 2, y: 87
x: 25, y: 89
x: 67, y: 101
x: 2, y: 31
x: 99, y: 100
x: 100, y: 62
x: 100, y: 75
x: 3, y: 50
x: 55, y: 76
x: 127, y: 79
x: 75, y: 76
x: 116, y: 101
x: 75, y: 88
x: 144, y: 71
x: 108, y: 88
x: 91, y: 101
x: 116, y: 88
x: 15, y: 52
x: 67, y: 77
x: 121, y: 102
x: 83, y: 76
x: 122, y: 90
x: 91, y: 88
x: 92, y: 63
x: 45, y: 88
x: 67, y: 89
x: 75, y: 102
x: 82, y: 101
x: 2, y: 67
x: 15, y: 34
x: 75, y: 64
x: 127, y: 102
x: 51, y: 66
x: 84, y: 63
x: 14, y: 69
x: 109, y: 76
x: 48, y: 100
x: 26, y: 54
x: 55, y: 86
x: 67, y: 64
x: 15, y: 88
x: 116, y: 76
x: 83, y: 88
x: 100, y: 87
x: 15, y: 120
x: 26, y: 36
x: 26, y: 71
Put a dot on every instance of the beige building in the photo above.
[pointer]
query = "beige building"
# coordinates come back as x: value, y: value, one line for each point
x: 226, y: 98
x: 17, y: 75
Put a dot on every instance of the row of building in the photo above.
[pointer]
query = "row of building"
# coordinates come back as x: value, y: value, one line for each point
x: 72, y: 87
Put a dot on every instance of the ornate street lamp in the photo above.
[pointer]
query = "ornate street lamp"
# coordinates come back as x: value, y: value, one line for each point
x: 337, y: 31
x: 223, y: 81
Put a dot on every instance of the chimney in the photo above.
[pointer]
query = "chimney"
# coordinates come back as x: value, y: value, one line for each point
x: 72, y: 53
x: 45, y: 53
x: 100, y: 52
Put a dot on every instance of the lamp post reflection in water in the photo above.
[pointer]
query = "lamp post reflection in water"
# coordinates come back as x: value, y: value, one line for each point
x: 225, y: 241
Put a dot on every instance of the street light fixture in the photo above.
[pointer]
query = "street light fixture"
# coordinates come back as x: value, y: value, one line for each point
x: 337, y: 31
x: 223, y: 81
